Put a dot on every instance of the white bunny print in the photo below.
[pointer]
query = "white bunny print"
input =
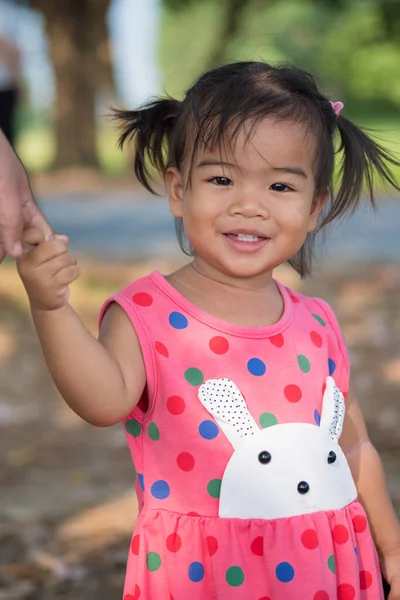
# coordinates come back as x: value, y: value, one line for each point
x: 283, y: 470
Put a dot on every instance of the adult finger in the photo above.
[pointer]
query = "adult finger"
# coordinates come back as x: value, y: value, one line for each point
x: 10, y: 224
x: 32, y: 236
x: 33, y: 217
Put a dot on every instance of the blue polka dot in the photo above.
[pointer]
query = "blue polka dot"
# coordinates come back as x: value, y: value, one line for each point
x: 256, y: 367
x: 208, y: 430
x: 196, y: 571
x: 332, y: 366
x: 317, y: 417
x: 178, y: 321
x: 160, y: 490
x: 141, y: 481
x: 284, y: 572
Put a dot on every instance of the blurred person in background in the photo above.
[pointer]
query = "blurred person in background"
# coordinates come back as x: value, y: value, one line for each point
x: 10, y: 69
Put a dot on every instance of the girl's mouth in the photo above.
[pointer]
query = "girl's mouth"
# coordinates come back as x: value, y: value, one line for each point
x: 245, y: 242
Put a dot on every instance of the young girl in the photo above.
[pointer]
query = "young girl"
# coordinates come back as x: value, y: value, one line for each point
x: 229, y: 385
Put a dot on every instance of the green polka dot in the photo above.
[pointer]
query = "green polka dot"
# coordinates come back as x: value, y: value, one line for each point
x: 304, y: 363
x: 133, y: 427
x: 153, y: 561
x: 320, y: 320
x: 194, y: 376
x: 214, y: 488
x: 331, y: 564
x: 153, y: 432
x: 268, y: 419
x: 235, y: 576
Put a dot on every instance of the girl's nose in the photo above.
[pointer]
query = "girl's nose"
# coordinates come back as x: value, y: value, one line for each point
x: 249, y: 205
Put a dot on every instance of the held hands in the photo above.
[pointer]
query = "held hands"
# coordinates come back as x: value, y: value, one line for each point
x: 46, y: 269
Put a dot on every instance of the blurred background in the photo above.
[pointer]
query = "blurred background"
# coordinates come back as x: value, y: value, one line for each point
x: 66, y: 502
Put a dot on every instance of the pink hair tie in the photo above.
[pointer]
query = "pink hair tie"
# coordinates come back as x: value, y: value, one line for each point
x: 337, y: 107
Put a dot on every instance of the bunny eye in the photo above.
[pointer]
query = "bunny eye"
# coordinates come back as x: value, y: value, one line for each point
x: 331, y: 457
x: 264, y: 457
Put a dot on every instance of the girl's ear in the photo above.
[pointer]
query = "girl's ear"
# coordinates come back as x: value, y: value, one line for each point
x: 318, y: 204
x: 174, y: 184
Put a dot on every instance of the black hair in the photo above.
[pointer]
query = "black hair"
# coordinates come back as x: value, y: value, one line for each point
x: 167, y: 132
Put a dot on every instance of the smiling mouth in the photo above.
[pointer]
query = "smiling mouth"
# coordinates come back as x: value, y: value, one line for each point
x: 245, y: 237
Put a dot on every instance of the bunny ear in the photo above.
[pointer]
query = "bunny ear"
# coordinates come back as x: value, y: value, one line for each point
x: 223, y: 400
x: 333, y: 409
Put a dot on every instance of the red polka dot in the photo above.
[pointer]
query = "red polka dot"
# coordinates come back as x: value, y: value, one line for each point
x: 185, y: 461
x: 321, y: 595
x: 142, y: 299
x: 316, y: 339
x: 323, y: 388
x: 365, y: 580
x: 175, y: 405
x: 161, y: 349
x: 277, y: 340
x: 219, y: 345
x: 136, y: 596
x: 174, y: 542
x: 309, y: 539
x: 193, y: 513
x: 135, y: 544
x: 295, y: 299
x: 265, y: 598
x: 345, y: 591
x: 257, y: 546
x: 359, y: 524
x: 293, y: 393
x: 212, y: 545
x: 340, y: 534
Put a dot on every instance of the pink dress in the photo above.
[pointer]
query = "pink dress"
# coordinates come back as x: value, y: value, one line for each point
x: 186, y: 546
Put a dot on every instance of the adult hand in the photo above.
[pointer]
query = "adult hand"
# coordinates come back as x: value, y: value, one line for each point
x: 17, y: 207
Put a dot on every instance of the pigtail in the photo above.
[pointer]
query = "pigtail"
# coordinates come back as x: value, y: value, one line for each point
x: 149, y: 127
x: 362, y: 161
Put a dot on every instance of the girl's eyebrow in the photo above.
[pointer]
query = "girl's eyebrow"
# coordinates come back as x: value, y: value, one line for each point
x: 218, y: 163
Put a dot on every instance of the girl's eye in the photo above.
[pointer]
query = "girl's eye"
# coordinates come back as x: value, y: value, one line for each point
x: 221, y: 181
x: 280, y: 187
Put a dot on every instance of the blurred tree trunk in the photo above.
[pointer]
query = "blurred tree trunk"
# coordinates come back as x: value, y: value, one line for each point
x: 81, y: 60
x: 233, y: 12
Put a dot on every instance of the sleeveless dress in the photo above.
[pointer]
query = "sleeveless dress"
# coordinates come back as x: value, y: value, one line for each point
x: 221, y: 517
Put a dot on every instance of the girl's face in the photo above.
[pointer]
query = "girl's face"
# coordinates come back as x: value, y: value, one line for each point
x: 249, y: 210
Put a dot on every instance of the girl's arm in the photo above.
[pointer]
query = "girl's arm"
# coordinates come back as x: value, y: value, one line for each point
x: 101, y: 380
x: 368, y: 474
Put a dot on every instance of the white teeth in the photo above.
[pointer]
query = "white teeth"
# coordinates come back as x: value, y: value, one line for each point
x: 242, y: 237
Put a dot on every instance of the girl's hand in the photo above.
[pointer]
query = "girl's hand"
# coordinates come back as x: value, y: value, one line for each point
x: 46, y: 269
x: 391, y: 572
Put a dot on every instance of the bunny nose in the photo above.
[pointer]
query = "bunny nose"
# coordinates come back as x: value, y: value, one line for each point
x: 303, y: 487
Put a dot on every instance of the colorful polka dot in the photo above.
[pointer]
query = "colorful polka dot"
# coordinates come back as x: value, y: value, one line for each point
x: 133, y: 427
x: 196, y: 572
x: 136, y: 596
x: 135, y: 544
x: 235, y: 576
x: 284, y: 572
x: 178, y: 321
x: 321, y: 595
x: 142, y: 299
x: 161, y: 349
x: 293, y: 393
x: 277, y: 340
x: 267, y: 420
x: 194, y: 376
x: 153, y: 561
x: 160, y: 489
x: 365, y: 580
x: 141, y: 481
x: 256, y: 367
x: 219, y: 345
x: 331, y: 366
x: 340, y: 534
x: 257, y: 546
x: 359, y: 524
x: 331, y: 564
x: 185, y: 461
x: 175, y: 405
x: 345, y: 591
x: 153, y: 431
x: 317, y: 417
x: 320, y: 320
x: 304, y: 363
x: 174, y: 542
x: 214, y: 488
x: 208, y: 430
x: 212, y: 545
x: 316, y: 339
x: 309, y: 539
x: 295, y: 299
